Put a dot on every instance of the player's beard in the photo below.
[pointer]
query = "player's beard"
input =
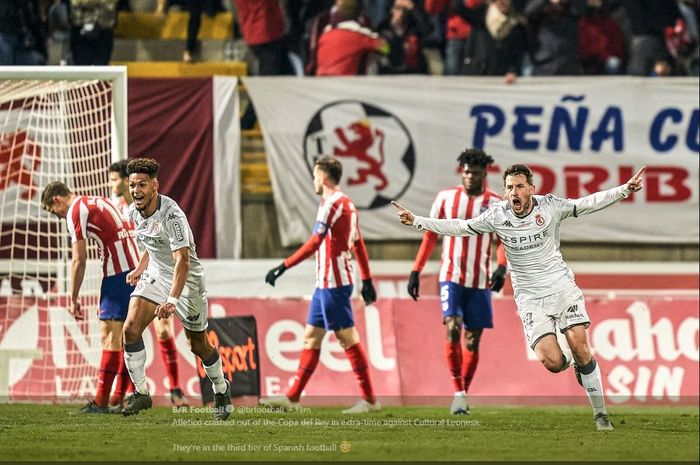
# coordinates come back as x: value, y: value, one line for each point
x: 523, y: 204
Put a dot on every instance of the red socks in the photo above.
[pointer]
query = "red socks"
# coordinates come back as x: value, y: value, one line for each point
x: 307, y: 365
x: 358, y: 360
x: 123, y: 382
x: 471, y: 359
x: 109, y: 366
x: 453, y: 354
x: 168, y: 353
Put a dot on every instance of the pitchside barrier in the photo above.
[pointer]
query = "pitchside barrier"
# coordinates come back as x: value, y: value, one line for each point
x: 646, y: 341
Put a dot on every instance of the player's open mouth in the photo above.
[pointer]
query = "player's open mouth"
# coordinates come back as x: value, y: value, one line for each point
x: 516, y: 203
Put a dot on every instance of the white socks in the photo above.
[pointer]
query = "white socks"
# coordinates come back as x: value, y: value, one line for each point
x: 593, y: 384
x: 135, y: 360
x: 569, y: 358
x: 212, y: 365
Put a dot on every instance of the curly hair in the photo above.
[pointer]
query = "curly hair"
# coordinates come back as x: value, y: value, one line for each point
x: 474, y: 157
x: 515, y: 170
x: 144, y: 166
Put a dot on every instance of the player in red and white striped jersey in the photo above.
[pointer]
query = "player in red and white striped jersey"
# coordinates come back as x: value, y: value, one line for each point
x: 335, y: 234
x: 97, y: 218
x: 121, y: 197
x: 465, y: 287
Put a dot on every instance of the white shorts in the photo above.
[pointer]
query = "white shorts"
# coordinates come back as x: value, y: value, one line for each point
x: 192, y: 307
x: 543, y: 315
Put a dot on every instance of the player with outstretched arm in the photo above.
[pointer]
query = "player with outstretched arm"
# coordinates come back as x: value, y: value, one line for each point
x: 335, y: 234
x: 546, y: 293
x: 169, y: 279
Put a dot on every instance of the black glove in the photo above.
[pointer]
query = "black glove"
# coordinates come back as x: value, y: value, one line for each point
x: 414, y: 284
x: 275, y: 273
x: 498, y: 278
x: 369, y: 295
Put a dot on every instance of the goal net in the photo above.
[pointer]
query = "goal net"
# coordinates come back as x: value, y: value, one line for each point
x: 56, y: 124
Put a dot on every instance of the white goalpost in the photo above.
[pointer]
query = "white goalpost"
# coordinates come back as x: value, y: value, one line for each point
x: 56, y: 124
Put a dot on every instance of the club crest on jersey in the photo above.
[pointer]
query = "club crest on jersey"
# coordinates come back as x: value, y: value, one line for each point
x: 539, y: 220
x: 153, y: 228
x: 375, y: 147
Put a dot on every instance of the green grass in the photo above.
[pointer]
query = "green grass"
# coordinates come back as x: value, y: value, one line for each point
x: 40, y: 432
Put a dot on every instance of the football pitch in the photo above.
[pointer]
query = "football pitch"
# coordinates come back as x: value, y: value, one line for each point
x: 50, y: 432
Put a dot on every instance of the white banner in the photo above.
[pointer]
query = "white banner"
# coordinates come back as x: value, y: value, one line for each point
x: 399, y: 138
x: 227, y: 177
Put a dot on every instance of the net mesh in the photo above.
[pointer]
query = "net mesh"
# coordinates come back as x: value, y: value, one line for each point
x: 49, y: 131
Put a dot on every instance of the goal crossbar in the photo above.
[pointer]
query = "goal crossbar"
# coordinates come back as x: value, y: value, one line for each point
x: 115, y: 74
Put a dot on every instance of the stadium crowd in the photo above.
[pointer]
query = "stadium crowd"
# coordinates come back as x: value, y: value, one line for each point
x: 354, y: 37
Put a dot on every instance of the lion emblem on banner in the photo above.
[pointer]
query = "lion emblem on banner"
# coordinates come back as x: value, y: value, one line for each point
x: 376, y: 150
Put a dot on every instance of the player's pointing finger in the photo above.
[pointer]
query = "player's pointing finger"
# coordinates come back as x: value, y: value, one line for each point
x: 640, y: 172
x: 397, y: 205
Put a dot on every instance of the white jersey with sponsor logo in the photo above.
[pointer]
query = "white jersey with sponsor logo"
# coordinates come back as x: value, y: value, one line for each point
x: 466, y: 260
x: 531, y: 242
x: 160, y: 234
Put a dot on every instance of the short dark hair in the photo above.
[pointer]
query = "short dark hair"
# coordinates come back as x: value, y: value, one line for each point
x: 515, y: 170
x: 120, y: 168
x: 331, y: 166
x: 474, y: 157
x: 53, y: 189
x: 349, y: 9
x: 144, y: 166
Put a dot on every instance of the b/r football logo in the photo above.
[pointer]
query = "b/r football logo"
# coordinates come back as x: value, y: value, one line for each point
x: 374, y: 146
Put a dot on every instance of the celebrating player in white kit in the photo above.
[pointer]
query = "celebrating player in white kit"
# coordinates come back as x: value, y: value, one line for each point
x: 121, y: 198
x: 546, y: 293
x: 169, y: 279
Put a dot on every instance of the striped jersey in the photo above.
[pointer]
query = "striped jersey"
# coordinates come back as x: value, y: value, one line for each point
x: 335, y: 233
x: 465, y: 260
x: 120, y: 202
x: 336, y: 223
x: 97, y: 218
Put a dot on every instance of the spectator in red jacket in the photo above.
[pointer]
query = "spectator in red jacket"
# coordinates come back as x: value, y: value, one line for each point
x: 601, y: 43
x: 318, y: 25
x: 458, y: 31
x: 345, y: 46
x: 262, y: 26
